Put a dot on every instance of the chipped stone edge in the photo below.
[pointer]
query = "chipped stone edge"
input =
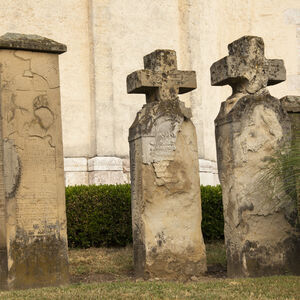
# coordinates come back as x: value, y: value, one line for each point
x: 30, y: 42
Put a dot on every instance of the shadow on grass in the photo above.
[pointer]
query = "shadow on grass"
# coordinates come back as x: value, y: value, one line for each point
x: 216, y: 259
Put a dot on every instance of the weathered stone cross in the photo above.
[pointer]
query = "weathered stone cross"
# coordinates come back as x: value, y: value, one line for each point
x: 246, y: 69
x: 160, y: 80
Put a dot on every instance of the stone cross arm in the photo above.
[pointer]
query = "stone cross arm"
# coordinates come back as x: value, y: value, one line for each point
x: 227, y: 71
x: 246, y: 66
x: 160, y: 80
x: 143, y: 81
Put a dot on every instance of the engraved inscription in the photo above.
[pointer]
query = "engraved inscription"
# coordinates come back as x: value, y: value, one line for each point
x: 36, y: 202
x: 162, y: 145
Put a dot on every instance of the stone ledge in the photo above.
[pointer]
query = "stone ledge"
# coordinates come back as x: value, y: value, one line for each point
x: 75, y: 164
x: 208, y: 166
x: 105, y: 164
x: 30, y: 42
x: 115, y: 170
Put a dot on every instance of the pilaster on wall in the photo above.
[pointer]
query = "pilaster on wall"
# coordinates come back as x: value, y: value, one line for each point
x: 292, y: 17
x: 103, y: 100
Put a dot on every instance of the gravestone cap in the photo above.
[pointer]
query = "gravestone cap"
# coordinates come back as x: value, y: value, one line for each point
x: 30, y: 42
x: 246, y: 67
x: 160, y: 80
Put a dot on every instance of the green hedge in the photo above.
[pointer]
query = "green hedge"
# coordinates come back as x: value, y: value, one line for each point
x: 98, y: 215
x: 212, y: 213
x: 101, y: 215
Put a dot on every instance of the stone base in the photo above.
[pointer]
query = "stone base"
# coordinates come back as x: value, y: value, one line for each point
x: 115, y: 170
x: 76, y: 178
x: 106, y: 170
x: 208, y: 171
x: 39, y: 262
x: 257, y: 258
x: 107, y: 177
x: 3, y: 269
x: 76, y: 171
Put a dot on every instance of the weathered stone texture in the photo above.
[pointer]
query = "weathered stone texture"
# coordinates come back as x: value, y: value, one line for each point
x: 32, y: 212
x: 292, y: 105
x: 161, y: 80
x: 166, y: 203
x: 30, y: 42
x: 260, y: 219
x: 246, y: 69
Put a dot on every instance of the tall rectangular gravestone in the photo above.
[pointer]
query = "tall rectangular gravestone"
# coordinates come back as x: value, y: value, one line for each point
x: 252, y: 130
x: 165, y: 185
x: 33, y: 239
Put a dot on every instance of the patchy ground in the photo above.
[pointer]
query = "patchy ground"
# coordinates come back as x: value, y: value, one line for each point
x: 116, y: 264
x: 107, y: 273
x: 101, y: 264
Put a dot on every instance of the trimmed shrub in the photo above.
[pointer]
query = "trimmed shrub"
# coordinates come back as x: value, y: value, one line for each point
x: 100, y: 216
x: 212, y: 213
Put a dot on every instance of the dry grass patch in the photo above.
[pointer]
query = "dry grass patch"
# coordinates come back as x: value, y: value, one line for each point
x: 101, y: 264
x: 110, y: 264
x: 216, y: 253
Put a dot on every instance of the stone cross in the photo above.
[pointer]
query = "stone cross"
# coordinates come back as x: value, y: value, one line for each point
x: 259, y: 216
x: 160, y: 80
x: 246, y: 69
x: 164, y: 173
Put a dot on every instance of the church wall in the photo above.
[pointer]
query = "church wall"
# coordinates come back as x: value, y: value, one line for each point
x: 66, y: 22
x: 107, y: 40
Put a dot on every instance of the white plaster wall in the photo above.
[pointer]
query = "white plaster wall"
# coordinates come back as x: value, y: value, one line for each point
x: 66, y: 22
x: 107, y: 40
x: 276, y: 22
x: 199, y: 31
x: 212, y: 25
x: 124, y: 32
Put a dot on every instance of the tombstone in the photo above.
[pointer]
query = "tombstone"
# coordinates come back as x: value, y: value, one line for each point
x: 260, y: 219
x: 165, y: 184
x: 33, y: 239
x: 292, y: 105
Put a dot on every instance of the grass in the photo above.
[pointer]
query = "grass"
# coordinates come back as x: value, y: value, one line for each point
x: 101, y: 273
x: 216, y: 253
x: 101, y: 264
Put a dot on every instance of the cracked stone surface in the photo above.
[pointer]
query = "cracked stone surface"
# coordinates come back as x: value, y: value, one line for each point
x: 292, y: 105
x: 33, y: 239
x: 246, y: 69
x: 261, y: 231
x: 160, y: 80
x: 166, y: 202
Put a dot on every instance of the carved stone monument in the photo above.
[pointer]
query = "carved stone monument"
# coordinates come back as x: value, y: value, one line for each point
x: 166, y: 202
x: 252, y: 126
x: 33, y: 240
